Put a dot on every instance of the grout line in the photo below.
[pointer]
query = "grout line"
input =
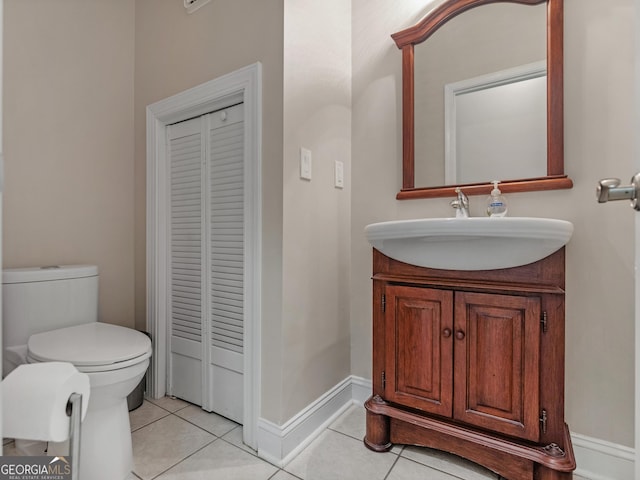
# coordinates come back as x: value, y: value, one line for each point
x: 250, y: 451
x: 288, y: 473
x: 452, y: 475
x: 358, y: 439
x: 166, y: 409
x: 392, y: 467
x: 150, y: 422
x: 188, y: 456
x: 204, y: 429
x: 431, y: 467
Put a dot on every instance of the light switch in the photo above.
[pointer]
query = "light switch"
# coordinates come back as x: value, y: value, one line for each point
x: 339, y: 174
x: 305, y: 163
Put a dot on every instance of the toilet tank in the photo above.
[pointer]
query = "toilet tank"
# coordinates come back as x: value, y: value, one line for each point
x: 40, y: 299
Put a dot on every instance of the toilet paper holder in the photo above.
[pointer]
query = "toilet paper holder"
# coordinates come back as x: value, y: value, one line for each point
x: 46, y: 402
x: 74, y: 410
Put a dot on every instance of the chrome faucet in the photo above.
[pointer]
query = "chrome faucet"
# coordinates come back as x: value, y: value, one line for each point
x: 461, y: 204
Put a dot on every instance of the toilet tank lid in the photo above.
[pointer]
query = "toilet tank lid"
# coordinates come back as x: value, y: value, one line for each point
x: 48, y: 273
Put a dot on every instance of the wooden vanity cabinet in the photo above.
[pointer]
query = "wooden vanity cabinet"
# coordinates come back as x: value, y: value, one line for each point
x: 472, y: 362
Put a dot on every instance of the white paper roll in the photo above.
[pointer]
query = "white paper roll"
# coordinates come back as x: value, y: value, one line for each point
x: 34, y: 400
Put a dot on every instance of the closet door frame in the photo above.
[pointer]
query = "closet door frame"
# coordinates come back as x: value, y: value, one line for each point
x: 243, y: 85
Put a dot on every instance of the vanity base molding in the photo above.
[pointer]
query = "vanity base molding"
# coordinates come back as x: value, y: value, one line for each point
x: 388, y: 425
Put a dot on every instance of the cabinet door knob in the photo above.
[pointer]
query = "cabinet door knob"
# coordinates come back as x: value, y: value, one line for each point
x: 446, y: 333
x: 460, y: 335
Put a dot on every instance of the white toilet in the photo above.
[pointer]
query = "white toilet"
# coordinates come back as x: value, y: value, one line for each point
x: 51, y: 314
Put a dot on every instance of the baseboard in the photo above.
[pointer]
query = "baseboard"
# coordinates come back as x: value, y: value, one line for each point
x: 278, y: 444
x: 601, y: 460
x: 361, y: 388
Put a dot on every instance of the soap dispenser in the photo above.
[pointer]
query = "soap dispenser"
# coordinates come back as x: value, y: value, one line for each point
x: 496, y: 203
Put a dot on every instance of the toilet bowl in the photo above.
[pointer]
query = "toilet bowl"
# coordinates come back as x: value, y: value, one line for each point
x: 115, y: 359
x: 50, y: 314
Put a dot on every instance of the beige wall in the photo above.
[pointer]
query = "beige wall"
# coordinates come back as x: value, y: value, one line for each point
x: 598, y: 143
x: 316, y: 215
x: 68, y: 141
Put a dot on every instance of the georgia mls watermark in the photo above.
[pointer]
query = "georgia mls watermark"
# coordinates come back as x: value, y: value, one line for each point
x: 35, y: 468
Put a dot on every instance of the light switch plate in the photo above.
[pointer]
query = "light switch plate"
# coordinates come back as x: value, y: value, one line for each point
x: 305, y: 163
x: 339, y: 174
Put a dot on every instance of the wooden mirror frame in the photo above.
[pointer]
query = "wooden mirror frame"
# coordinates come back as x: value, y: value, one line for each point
x: 406, y: 41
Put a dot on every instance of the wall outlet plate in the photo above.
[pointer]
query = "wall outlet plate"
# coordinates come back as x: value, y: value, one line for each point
x: 193, y: 5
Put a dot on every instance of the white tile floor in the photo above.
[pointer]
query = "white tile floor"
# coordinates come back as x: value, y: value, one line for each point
x: 175, y: 440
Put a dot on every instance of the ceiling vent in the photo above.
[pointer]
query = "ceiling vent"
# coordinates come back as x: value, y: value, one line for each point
x: 193, y: 5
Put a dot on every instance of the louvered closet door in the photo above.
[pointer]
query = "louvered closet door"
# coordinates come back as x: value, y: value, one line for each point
x: 206, y: 293
x: 186, y: 154
x: 226, y: 262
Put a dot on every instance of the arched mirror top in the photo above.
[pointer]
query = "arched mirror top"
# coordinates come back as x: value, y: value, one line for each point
x: 414, y: 185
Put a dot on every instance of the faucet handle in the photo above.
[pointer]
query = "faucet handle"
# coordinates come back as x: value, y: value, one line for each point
x: 461, y: 204
x: 462, y: 197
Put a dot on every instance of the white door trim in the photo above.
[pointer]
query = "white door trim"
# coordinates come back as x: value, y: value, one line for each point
x: 636, y: 165
x: 242, y: 85
x: 1, y: 183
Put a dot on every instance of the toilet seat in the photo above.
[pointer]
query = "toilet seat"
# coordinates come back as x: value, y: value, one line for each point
x: 91, y: 347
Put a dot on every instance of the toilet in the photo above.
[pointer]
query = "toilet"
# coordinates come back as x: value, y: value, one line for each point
x: 51, y: 314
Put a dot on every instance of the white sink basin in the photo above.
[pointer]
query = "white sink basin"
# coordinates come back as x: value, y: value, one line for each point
x: 479, y: 243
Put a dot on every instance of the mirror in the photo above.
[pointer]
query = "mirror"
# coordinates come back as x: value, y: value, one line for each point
x: 458, y: 98
x: 489, y: 121
x: 471, y: 109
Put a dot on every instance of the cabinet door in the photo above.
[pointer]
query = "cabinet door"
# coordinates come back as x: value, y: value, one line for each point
x: 418, y: 356
x: 497, y: 363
